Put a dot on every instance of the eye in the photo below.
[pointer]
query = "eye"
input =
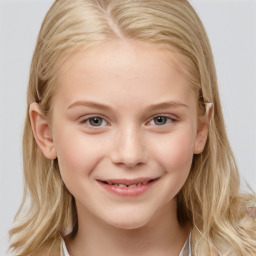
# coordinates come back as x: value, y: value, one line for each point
x: 95, y: 121
x: 160, y: 120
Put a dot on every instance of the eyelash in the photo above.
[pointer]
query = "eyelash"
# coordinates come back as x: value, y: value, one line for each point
x: 167, y: 118
x: 87, y: 121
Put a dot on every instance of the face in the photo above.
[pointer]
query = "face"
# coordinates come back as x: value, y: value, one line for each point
x: 124, y: 129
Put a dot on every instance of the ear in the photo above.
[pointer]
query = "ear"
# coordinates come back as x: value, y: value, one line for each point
x: 42, y: 131
x: 202, y: 129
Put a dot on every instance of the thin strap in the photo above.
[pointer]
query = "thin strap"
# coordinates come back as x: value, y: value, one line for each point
x: 186, y: 249
x: 64, y: 251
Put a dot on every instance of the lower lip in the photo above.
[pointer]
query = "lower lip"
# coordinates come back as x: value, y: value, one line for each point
x: 126, y: 191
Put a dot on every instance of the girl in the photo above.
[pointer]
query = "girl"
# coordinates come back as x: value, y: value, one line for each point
x: 125, y: 150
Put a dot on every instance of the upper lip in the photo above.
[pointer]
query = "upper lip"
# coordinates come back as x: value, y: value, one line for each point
x: 128, y: 181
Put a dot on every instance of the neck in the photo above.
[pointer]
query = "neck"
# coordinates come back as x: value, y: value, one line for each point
x: 162, y: 236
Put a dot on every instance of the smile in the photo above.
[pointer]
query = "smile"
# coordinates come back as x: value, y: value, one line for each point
x: 130, y: 188
x: 126, y: 186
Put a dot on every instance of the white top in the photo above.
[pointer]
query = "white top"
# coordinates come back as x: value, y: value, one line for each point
x: 64, y: 247
x: 185, y: 251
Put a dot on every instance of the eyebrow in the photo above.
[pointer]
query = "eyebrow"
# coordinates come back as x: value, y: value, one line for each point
x: 167, y: 104
x: 151, y: 107
x: 89, y: 104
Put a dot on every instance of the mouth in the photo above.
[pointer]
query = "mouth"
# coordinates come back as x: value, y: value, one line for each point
x: 127, y: 184
x: 125, y: 187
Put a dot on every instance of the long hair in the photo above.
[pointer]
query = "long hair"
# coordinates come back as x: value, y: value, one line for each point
x: 210, y: 199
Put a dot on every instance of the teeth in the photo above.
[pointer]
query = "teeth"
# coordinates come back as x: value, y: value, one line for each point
x: 121, y: 185
x: 130, y: 186
x: 133, y: 186
x: 126, y: 186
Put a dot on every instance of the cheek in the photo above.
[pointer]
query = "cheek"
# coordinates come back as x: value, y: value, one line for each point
x: 175, y: 158
x: 77, y: 153
x: 176, y: 153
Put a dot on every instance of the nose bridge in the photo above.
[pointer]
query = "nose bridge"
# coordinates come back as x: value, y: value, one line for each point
x: 129, y: 148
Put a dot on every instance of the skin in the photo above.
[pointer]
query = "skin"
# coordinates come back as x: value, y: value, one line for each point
x: 126, y: 85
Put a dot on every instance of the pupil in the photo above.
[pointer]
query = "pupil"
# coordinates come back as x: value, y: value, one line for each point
x: 160, y: 120
x: 95, y: 121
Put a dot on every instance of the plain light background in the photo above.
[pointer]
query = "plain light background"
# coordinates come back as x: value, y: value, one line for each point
x: 231, y: 26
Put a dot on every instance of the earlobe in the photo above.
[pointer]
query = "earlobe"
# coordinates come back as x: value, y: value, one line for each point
x: 202, y: 131
x: 42, y: 131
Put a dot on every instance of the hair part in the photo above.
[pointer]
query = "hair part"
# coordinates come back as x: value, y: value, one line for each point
x: 210, y: 198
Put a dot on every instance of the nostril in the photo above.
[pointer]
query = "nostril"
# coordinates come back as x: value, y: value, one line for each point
x: 128, y: 164
x: 128, y: 151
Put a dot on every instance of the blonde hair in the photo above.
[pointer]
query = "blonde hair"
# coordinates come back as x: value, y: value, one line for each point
x: 210, y: 199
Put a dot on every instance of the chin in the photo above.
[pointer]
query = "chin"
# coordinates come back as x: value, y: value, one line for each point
x: 128, y: 225
x: 129, y: 222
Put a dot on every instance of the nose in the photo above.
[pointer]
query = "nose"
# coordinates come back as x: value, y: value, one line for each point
x: 129, y: 148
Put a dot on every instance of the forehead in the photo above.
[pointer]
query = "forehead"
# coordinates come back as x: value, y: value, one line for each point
x: 127, y: 52
x: 124, y: 69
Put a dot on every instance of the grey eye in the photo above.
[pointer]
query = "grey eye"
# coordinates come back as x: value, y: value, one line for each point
x: 161, y: 120
x: 95, y: 121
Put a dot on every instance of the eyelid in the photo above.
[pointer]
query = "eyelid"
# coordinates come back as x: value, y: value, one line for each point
x: 172, y: 117
x: 85, y: 118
